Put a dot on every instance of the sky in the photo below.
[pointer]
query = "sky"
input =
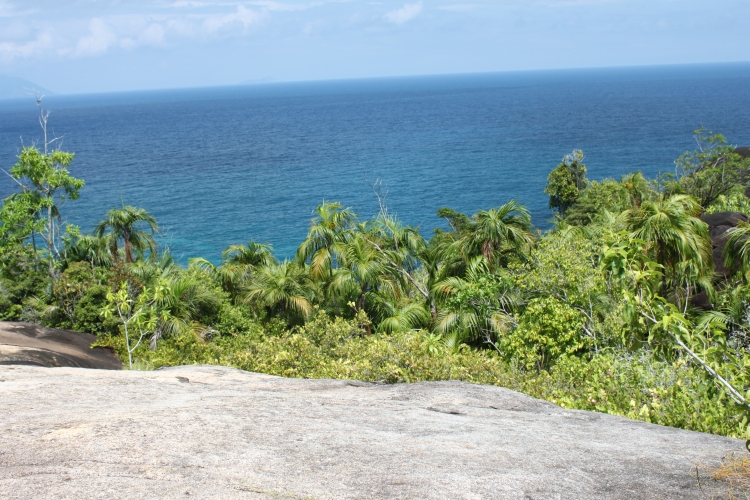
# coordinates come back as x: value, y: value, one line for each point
x: 109, y: 45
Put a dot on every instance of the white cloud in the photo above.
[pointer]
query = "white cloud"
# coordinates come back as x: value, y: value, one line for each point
x: 95, y: 28
x: 99, y: 39
x: 282, y: 6
x: 575, y: 3
x: 269, y: 5
x: 8, y: 10
x: 406, y: 13
x: 459, y: 7
x: 152, y: 35
x: 12, y: 50
x: 243, y: 16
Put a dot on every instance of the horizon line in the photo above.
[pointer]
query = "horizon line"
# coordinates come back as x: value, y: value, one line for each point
x: 269, y: 81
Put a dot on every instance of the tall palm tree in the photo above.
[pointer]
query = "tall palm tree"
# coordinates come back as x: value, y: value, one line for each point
x: 328, y: 231
x: 125, y: 224
x: 149, y: 272
x: 637, y: 188
x: 676, y: 236
x: 497, y: 232
x: 285, y: 289
x: 361, y: 271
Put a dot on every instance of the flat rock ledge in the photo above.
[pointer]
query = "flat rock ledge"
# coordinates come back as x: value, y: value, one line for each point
x: 214, y: 432
x: 36, y: 345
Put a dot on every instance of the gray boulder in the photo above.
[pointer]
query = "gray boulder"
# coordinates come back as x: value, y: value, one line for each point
x: 213, y: 432
x: 29, y: 344
x: 720, y: 227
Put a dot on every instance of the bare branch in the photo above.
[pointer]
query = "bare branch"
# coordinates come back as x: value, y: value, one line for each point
x: 377, y: 189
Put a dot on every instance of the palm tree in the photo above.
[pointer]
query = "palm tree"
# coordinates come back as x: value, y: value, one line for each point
x: 481, y: 313
x: 91, y: 249
x: 285, y: 289
x: 328, y: 231
x: 178, y: 301
x: 637, y: 188
x: 238, y: 264
x: 393, y: 316
x: 149, y: 272
x: 675, y: 235
x: 502, y: 230
x: 361, y: 271
x: 252, y: 254
x: 737, y: 250
x: 125, y: 224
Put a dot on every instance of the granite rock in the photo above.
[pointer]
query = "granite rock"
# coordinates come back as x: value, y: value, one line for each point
x: 215, y: 432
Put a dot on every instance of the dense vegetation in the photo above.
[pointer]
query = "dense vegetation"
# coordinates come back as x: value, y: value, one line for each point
x: 594, y: 314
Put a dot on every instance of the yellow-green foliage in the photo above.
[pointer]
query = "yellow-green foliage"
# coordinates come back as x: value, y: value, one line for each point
x: 328, y: 347
x: 615, y: 382
x: 547, y: 330
x: 638, y: 386
x: 734, y: 201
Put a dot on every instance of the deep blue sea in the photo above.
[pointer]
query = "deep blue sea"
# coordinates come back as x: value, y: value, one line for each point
x: 219, y: 166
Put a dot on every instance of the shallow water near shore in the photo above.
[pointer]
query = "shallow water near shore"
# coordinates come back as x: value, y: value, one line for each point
x: 219, y: 166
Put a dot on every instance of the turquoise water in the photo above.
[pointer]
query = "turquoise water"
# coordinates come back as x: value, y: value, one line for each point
x: 219, y: 166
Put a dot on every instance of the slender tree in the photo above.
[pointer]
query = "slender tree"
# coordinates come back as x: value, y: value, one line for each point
x: 125, y: 225
x: 252, y: 254
x: 566, y: 182
x: 394, y: 315
x: 362, y: 272
x: 329, y: 230
x: 497, y: 232
x: 285, y: 289
x: 89, y: 248
x: 477, y: 305
x: 238, y: 263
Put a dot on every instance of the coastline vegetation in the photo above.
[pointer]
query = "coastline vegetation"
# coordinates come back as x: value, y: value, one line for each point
x: 595, y: 314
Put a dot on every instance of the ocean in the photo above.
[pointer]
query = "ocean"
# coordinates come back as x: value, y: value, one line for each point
x: 219, y: 166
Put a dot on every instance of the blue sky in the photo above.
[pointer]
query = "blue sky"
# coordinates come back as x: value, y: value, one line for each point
x: 108, y: 45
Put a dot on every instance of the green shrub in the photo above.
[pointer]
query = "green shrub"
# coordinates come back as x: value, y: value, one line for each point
x: 88, y: 317
x: 734, y: 201
x: 234, y: 320
x: 547, y: 329
x: 640, y: 387
x: 20, y: 280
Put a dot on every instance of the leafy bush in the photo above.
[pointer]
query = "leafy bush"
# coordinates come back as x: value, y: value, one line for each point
x: 88, y: 317
x: 640, y: 387
x: 735, y: 201
x: 20, y: 280
x: 547, y: 330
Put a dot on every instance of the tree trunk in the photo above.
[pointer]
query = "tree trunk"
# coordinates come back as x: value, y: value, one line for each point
x: 128, y: 252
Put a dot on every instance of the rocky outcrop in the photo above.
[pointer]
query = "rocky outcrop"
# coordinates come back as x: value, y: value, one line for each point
x: 29, y: 344
x: 720, y: 227
x: 213, y: 432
